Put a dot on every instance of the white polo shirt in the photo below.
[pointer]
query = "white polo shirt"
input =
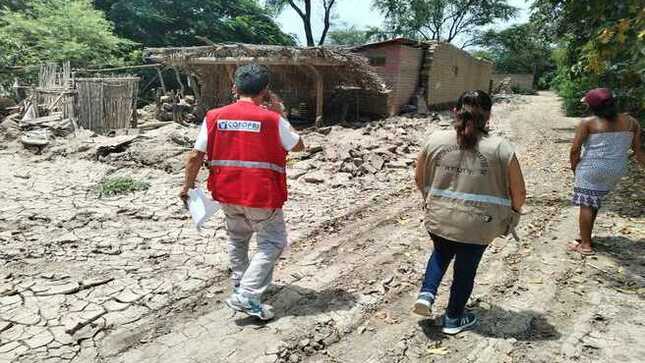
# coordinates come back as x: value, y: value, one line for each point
x: 288, y: 136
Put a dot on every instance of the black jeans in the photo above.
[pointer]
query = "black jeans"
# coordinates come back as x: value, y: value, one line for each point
x: 467, y: 257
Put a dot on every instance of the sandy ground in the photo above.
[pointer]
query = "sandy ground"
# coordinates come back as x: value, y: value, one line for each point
x: 128, y: 279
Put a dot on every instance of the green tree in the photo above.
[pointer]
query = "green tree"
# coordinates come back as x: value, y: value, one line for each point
x: 56, y: 31
x: 155, y: 23
x: 353, y: 36
x: 518, y: 49
x: 601, y: 46
x: 443, y: 20
x: 304, y: 9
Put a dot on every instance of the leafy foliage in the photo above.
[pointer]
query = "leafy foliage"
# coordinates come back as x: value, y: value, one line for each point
x: 518, y: 49
x: 443, y: 20
x: 156, y: 23
x: 601, y: 46
x: 353, y: 36
x: 58, y: 30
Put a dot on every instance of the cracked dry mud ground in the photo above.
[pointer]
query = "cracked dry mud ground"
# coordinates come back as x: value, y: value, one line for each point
x: 127, y: 279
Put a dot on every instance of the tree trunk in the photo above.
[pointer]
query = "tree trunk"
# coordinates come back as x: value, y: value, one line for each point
x: 308, y: 31
x: 328, y: 7
x: 306, y: 20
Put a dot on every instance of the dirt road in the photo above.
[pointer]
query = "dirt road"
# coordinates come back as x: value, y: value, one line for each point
x: 126, y: 279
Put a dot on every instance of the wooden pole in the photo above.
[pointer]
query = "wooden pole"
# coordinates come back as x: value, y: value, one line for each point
x: 134, y: 122
x: 320, y: 94
x: 231, y: 73
x: 163, y: 84
x: 16, y: 89
x: 181, y: 84
x: 195, y: 86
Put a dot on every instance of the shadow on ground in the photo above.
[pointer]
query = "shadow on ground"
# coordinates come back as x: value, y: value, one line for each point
x: 293, y: 300
x: 629, y: 256
x: 496, y: 322
x: 628, y: 199
x: 548, y: 201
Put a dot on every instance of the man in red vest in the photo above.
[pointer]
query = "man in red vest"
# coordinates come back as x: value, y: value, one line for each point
x: 245, y: 146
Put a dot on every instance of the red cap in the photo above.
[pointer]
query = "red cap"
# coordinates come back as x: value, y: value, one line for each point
x: 597, y: 97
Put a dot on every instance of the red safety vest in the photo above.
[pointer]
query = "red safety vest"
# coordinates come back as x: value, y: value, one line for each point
x: 246, y: 159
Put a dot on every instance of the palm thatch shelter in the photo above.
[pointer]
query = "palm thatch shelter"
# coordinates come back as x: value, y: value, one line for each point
x: 308, y: 79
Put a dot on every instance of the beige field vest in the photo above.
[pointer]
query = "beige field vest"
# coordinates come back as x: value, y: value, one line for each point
x: 467, y: 191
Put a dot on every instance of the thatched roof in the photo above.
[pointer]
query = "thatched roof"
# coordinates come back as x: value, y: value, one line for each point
x: 351, y: 67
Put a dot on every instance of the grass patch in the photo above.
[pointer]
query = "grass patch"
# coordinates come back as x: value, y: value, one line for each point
x: 120, y: 185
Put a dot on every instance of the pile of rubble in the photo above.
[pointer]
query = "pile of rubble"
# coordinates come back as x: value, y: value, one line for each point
x: 353, y: 161
x: 342, y: 160
x: 35, y: 128
x: 505, y: 87
x: 178, y: 109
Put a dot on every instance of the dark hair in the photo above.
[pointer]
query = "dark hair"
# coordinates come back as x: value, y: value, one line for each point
x: 251, y: 79
x: 473, y: 111
x: 608, y: 110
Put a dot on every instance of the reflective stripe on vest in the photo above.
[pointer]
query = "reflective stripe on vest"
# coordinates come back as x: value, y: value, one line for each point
x: 248, y: 164
x: 471, y: 197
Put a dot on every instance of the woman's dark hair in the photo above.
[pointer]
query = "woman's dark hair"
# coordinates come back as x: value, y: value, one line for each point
x: 473, y: 111
x: 608, y: 110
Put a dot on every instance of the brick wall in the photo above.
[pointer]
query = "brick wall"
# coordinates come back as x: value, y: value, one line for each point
x: 410, y: 59
x: 522, y: 80
x: 453, y: 71
x: 389, y: 70
x: 400, y: 72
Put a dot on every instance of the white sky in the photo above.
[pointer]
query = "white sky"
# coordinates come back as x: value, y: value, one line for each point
x: 360, y: 14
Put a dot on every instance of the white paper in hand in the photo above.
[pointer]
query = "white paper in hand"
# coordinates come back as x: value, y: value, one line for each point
x: 201, y: 207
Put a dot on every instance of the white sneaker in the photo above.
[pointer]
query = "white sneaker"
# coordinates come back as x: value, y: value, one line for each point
x: 423, y: 305
x: 249, y: 307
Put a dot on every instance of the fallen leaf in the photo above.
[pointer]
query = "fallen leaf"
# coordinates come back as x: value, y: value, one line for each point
x: 438, y: 351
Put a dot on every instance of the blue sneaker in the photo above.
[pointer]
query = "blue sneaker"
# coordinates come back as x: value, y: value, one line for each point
x: 457, y: 325
x: 423, y: 305
x: 248, y: 306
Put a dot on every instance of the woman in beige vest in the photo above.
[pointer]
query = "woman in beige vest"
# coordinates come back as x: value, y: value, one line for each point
x: 473, y: 190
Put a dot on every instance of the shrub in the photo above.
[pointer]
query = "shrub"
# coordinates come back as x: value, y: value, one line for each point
x: 120, y: 185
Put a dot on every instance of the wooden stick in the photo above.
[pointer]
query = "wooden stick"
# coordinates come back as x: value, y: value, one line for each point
x: 142, y: 66
x: 41, y: 120
x: 51, y: 106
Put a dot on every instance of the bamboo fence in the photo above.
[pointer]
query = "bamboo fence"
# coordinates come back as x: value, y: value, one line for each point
x: 106, y: 103
x: 56, y: 89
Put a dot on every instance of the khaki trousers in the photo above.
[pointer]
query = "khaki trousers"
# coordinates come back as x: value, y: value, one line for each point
x: 254, y: 276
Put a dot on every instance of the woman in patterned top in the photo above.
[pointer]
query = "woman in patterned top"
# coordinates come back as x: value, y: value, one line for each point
x: 606, y: 138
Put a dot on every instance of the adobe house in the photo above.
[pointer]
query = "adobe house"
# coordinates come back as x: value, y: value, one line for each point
x: 311, y: 81
x: 375, y: 80
x: 435, y: 72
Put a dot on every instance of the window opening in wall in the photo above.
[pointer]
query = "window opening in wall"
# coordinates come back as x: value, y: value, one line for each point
x: 378, y: 61
x: 455, y: 70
